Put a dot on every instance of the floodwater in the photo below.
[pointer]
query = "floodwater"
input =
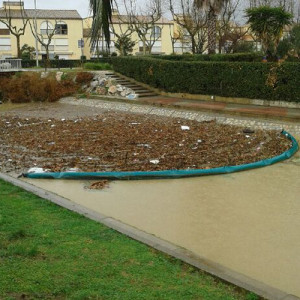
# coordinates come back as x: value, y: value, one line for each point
x: 247, y: 221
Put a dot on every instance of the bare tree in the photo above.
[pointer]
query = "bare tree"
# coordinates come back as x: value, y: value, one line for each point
x: 44, y: 36
x: 144, y: 22
x: 192, y: 22
x: 13, y: 29
x: 175, y: 36
x: 291, y: 6
x: 229, y: 33
x: 124, y: 33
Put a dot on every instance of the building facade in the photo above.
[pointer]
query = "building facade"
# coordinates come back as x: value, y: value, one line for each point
x: 157, y: 37
x: 66, y: 26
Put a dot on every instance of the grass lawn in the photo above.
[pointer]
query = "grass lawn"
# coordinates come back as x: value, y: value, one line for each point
x: 47, y: 252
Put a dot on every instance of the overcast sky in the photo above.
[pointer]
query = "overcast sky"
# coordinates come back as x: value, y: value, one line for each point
x: 82, y: 6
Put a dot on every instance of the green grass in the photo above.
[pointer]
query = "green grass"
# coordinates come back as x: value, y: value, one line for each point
x: 47, y: 252
x: 97, y: 66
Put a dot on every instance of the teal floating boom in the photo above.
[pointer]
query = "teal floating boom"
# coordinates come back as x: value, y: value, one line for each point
x: 169, y: 173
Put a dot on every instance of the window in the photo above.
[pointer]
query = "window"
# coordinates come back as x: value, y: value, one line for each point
x: 51, y: 46
x: 46, y: 28
x: 3, y: 29
x: 141, y: 47
x: 61, y: 28
x: 156, y: 32
x: 156, y: 47
x: 5, y: 44
x: 61, y: 45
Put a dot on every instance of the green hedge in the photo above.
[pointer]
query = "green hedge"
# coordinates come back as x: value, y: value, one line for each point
x: 97, y: 66
x: 63, y: 63
x: 229, y: 79
x: 214, y: 57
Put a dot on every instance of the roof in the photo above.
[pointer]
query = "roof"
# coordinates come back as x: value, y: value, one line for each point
x: 125, y: 19
x: 43, y: 14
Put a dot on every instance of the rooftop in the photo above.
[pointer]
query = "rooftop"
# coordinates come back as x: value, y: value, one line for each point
x: 42, y: 14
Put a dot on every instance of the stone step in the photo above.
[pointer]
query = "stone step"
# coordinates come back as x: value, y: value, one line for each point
x: 139, y: 90
x: 123, y: 82
x: 145, y: 92
x: 146, y: 95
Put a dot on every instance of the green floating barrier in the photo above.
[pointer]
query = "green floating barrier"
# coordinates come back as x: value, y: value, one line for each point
x: 169, y: 173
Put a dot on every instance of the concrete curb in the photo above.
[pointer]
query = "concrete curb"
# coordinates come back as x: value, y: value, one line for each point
x: 187, y: 256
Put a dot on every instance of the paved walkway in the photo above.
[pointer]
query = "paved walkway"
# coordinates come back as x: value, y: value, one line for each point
x: 292, y: 114
x: 190, y: 113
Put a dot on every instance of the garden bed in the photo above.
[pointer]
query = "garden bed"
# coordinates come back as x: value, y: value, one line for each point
x: 130, y: 142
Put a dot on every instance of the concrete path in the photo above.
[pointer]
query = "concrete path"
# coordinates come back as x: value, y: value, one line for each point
x: 292, y: 114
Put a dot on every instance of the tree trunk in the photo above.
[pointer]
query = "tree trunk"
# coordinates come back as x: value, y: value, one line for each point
x: 212, y: 32
x: 144, y: 46
x: 47, y: 58
x: 18, y: 46
x: 193, y: 45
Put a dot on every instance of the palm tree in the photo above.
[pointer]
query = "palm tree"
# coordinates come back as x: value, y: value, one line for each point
x: 101, y: 12
x: 213, y: 7
x: 267, y: 23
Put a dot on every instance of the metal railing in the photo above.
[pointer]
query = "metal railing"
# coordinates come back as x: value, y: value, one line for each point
x: 8, y: 65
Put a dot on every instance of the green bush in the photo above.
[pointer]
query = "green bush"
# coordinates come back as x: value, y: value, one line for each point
x: 97, y: 66
x: 250, y: 57
x: 62, y: 63
x: 253, y: 80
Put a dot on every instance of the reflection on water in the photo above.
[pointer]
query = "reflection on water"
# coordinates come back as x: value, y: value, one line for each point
x: 247, y: 221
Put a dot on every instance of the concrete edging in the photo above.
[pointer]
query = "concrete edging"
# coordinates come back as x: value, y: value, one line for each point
x: 187, y: 256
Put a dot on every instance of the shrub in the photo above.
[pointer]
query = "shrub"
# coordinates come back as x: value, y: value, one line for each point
x: 28, y: 87
x: 97, y: 66
x: 230, y: 79
x: 250, y: 57
x: 84, y: 77
x: 244, y: 47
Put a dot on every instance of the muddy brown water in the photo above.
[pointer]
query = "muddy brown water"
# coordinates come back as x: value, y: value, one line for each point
x: 247, y: 221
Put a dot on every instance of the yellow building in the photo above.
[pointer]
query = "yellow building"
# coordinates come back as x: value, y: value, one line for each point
x: 66, y: 25
x: 158, y: 37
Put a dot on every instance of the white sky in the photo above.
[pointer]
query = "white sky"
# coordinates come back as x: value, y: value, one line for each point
x: 82, y: 6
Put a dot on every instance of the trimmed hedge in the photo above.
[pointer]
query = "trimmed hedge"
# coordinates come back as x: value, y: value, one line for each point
x: 253, y: 80
x: 63, y: 63
x: 235, y: 57
x: 250, y: 57
x: 97, y: 66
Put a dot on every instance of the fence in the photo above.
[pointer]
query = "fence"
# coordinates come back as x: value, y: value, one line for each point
x: 8, y: 65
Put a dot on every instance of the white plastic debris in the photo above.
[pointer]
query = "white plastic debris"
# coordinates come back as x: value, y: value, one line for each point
x: 52, y: 125
x: 144, y: 145
x: 63, y: 120
x: 247, y: 136
x: 199, y: 141
x: 131, y: 96
x: 36, y: 170
x: 72, y: 170
x: 185, y: 127
x: 135, y: 123
x: 154, y: 161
